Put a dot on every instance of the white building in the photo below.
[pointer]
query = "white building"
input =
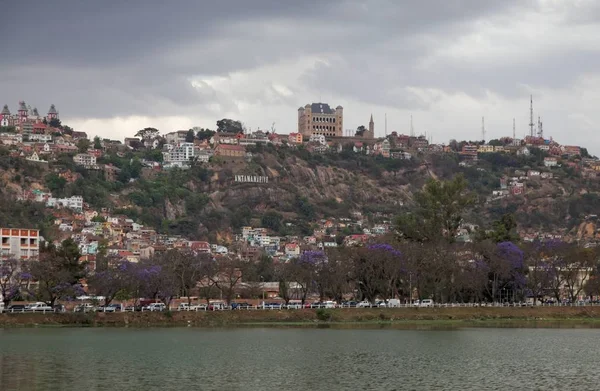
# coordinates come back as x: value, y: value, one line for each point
x: 176, y: 137
x: 74, y: 202
x: 318, y: 138
x: 41, y: 138
x: 181, y: 154
x: 203, y: 156
x: 84, y: 159
x: 550, y: 162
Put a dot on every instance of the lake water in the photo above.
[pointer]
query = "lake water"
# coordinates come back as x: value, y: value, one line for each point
x: 298, y: 359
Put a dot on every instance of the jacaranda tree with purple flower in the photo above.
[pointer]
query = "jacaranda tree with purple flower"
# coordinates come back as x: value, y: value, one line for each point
x: 58, y: 273
x: 12, y: 280
x: 377, y: 270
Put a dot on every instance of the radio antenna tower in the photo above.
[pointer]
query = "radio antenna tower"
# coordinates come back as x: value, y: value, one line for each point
x: 385, y: 124
x: 412, y: 130
x: 531, y: 125
x: 514, y: 130
x: 540, y: 128
x: 483, y: 129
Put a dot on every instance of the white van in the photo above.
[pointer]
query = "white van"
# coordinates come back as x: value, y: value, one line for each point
x: 426, y: 303
x: 393, y: 303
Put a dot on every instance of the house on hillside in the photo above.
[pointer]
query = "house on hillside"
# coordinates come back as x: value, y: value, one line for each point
x: 550, y: 161
x: 228, y: 150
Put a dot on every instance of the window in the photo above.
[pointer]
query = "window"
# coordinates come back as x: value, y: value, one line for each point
x: 4, y: 240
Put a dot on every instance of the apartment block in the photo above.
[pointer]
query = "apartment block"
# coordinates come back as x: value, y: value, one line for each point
x: 19, y: 243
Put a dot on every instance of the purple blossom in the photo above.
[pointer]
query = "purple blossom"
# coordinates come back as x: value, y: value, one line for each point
x: 26, y: 276
x: 312, y: 257
x: 385, y: 248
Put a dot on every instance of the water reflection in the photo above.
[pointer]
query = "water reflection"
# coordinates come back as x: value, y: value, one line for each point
x: 297, y: 359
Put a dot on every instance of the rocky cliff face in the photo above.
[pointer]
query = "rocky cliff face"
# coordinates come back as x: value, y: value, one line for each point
x: 318, y: 184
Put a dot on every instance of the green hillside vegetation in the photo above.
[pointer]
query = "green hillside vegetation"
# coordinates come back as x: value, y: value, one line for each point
x: 303, y: 187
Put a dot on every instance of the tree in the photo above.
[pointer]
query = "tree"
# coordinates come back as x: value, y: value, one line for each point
x: 147, y: 133
x: 229, y: 126
x: 55, y: 123
x: 188, y: 268
x: 110, y: 281
x: 97, y: 143
x: 205, y: 134
x: 189, y: 137
x: 578, y: 269
x: 437, y: 214
x: 495, y: 142
x: 539, y: 275
x: 504, y: 230
x: 55, y: 184
x: 156, y: 278
x: 12, y: 280
x: 226, y: 273
x: 83, y: 144
x: 360, y: 131
x: 272, y: 220
x: 58, y: 272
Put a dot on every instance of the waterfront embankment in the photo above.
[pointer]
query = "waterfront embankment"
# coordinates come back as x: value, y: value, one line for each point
x: 408, y: 318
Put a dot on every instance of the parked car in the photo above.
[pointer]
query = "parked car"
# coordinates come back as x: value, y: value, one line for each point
x: 349, y: 304
x: 183, y: 307
x: 131, y: 308
x: 84, y: 308
x: 364, y: 304
x: 16, y: 308
x: 113, y: 308
x: 294, y: 305
x: 426, y: 303
x: 39, y: 307
x: 271, y: 306
x: 155, y: 307
x: 393, y: 303
x: 199, y: 307
x: 329, y: 304
x: 217, y: 306
x: 240, y: 306
x: 317, y: 304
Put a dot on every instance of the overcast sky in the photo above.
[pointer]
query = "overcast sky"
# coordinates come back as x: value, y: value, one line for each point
x: 114, y: 67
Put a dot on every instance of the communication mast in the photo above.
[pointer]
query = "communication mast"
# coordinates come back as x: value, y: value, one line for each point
x: 385, y: 124
x: 531, y: 125
x: 483, y: 129
x: 540, y: 128
x: 514, y: 130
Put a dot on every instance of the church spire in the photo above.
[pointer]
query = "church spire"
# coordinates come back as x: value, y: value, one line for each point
x: 371, y: 133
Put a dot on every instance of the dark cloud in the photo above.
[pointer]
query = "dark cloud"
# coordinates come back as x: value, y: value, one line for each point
x: 99, y: 59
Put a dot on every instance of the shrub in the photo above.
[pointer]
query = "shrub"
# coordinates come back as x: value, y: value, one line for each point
x: 323, y: 315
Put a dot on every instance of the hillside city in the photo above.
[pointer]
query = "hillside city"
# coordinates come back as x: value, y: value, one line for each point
x: 63, y: 158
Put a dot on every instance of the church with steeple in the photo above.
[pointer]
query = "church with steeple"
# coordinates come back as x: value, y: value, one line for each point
x: 27, y: 119
x: 370, y: 133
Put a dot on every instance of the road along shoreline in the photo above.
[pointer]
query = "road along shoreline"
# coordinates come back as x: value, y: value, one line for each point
x: 409, y: 318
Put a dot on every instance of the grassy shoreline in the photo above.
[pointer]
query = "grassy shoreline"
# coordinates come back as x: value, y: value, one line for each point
x: 394, y: 318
